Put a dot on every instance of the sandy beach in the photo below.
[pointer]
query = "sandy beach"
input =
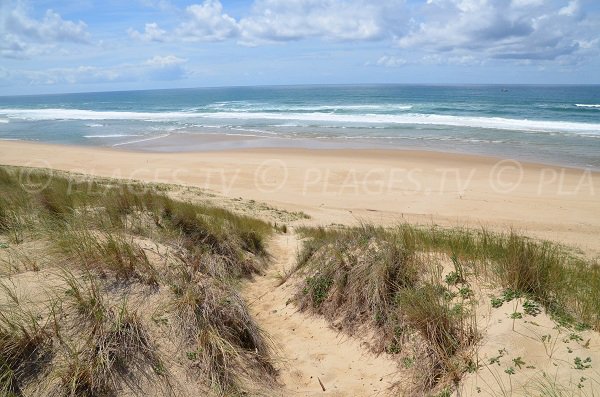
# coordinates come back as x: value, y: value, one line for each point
x: 355, y: 185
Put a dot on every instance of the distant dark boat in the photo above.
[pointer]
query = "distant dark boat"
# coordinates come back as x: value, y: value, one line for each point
x: 504, y: 90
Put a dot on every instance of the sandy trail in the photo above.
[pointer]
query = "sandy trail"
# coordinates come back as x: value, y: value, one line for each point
x: 309, y: 349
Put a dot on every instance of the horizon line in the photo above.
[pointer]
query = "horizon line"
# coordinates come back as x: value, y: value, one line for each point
x: 312, y: 85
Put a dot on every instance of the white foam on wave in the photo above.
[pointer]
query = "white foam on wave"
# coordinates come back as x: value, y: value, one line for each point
x: 141, y: 140
x: 94, y: 125
x: 368, y: 119
x: 110, y: 136
x: 585, y: 105
x: 4, y: 121
x: 424, y: 119
x: 241, y: 106
x: 79, y: 114
x: 262, y: 132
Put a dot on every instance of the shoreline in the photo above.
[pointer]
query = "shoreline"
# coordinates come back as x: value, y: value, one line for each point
x: 349, y: 186
x: 208, y: 142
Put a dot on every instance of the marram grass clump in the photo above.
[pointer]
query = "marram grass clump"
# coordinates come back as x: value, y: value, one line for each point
x: 389, y: 279
x: 139, y: 281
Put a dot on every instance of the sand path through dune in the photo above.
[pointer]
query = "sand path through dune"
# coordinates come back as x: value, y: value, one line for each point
x: 309, y: 349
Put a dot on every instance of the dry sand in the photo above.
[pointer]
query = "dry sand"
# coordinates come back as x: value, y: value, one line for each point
x: 348, y: 186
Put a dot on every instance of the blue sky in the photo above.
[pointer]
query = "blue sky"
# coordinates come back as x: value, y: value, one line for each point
x: 49, y: 46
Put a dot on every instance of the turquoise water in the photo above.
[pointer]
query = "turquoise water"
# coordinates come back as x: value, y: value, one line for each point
x: 552, y: 124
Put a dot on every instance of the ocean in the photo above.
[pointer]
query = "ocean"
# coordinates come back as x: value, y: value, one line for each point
x: 550, y: 124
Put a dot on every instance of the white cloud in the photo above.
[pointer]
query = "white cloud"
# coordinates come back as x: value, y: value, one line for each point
x: 162, y: 61
x: 458, y: 31
x: 22, y: 36
x: 168, y: 67
x: 442, y: 59
x: 570, y: 9
x: 284, y: 20
x: 521, y: 29
x: 207, y: 22
x: 391, y: 61
x: 151, y: 33
x: 281, y: 20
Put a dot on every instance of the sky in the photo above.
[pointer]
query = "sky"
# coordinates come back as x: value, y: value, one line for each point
x: 55, y: 46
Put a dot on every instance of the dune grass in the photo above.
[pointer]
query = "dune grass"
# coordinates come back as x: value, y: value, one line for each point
x: 565, y: 283
x: 116, y: 350
x: 369, y: 275
x: 219, y: 334
x: 387, y: 278
x: 24, y: 349
x: 98, y: 237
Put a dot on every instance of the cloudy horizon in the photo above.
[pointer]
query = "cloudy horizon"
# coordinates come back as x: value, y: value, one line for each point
x: 54, y: 46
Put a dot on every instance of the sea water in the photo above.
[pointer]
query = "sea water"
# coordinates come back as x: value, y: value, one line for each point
x: 550, y: 124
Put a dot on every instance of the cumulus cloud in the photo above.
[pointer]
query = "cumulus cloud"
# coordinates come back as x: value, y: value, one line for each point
x: 207, y: 22
x: 165, y: 61
x: 280, y: 20
x: 519, y: 29
x: 391, y: 61
x: 151, y: 33
x: 167, y: 68
x: 22, y: 36
x: 284, y: 20
x: 457, y: 31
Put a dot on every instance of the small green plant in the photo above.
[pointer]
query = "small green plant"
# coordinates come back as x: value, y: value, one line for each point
x: 510, y: 294
x: 516, y: 315
x: 497, y: 302
x: 466, y: 292
x: 446, y: 392
x: 394, y: 348
x: 531, y: 308
x: 575, y: 337
x: 408, y: 362
x: 458, y: 268
x: 449, y: 295
x: 472, y: 367
x: 318, y: 286
x: 496, y: 359
x: 518, y: 362
x: 582, y: 364
x: 510, y: 371
x: 546, y: 338
x: 452, y: 278
x: 579, y: 326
